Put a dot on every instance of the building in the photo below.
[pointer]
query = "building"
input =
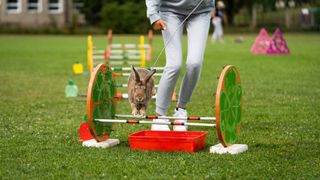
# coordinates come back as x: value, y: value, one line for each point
x: 39, y: 13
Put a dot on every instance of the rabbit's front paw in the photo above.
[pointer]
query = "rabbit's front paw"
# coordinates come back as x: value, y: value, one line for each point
x: 134, y: 112
x: 142, y: 112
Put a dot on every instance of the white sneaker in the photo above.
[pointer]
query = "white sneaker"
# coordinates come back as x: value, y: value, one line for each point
x: 180, y: 113
x: 158, y: 127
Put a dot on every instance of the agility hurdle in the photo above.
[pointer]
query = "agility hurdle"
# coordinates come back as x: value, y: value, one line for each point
x: 102, y: 104
x: 119, y: 54
x: 129, y: 54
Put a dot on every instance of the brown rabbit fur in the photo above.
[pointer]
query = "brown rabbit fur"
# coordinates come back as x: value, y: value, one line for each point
x: 140, y: 90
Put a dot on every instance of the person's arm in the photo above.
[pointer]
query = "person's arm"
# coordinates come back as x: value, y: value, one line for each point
x: 154, y: 16
x: 153, y: 10
x: 213, y: 13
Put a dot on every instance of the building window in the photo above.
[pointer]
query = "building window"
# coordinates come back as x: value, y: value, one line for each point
x: 13, y: 6
x: 77, y: 5
x: 55, y: 6
x: 34, y: 6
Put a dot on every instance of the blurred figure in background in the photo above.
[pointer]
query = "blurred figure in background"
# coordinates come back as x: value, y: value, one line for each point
x: 217, y: 18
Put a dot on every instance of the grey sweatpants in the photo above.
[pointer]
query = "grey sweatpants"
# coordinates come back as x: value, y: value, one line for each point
x: 197, y: 27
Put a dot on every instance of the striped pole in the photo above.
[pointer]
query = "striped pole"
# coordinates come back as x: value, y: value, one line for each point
x: 128, y: 74
x: 191, y: 118
x: 129, y: 69
x: 151, y: 122
x: 126, y: 96
x: 126, y: 85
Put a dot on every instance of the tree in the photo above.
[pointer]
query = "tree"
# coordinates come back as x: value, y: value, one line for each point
x: 91, y: 9
x: 127, y: 16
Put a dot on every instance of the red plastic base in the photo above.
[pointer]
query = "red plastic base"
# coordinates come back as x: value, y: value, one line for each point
x: 84, y: 132
x: 189, y: 141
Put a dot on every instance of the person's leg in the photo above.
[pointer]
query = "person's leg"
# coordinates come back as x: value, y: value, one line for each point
x: 220, y: 32
x: 173, y: 61
x: 215, y: 32
x: 173, y: 66
x: 197, y: 29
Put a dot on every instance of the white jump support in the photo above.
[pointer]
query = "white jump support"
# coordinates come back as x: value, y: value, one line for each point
x: 126, y: 96
x: 151, y: 122
x: 166, y: 117
x: 126, y: 85
x: 129, y: 69
x: 128, y: 74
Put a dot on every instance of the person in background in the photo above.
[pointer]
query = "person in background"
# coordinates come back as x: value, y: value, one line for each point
x: 167, y: 16
x: 217, y: 18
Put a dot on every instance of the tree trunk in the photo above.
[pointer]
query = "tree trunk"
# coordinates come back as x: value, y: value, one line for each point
x: 287, y: 18
x: 254, y: 18
x: 230, y: 11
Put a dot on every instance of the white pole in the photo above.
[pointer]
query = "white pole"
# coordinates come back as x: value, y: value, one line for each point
x: 152, y: 122
x: 165, y: 117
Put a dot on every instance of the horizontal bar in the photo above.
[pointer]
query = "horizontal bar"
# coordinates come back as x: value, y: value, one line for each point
x: 123, y: 52
x: 129, y: 68
x: 117, y: 51
x: 134, y: 57
x: 133, y: 51
x: 124, y: 62
x: 126, y: 85
x: 166, y: 117
x: 128, y: 74
x: 130, y: 45
x: 122, y: 57
x: 125, y: 96
x: 98, y: 57
x: 152, y: 122
x: 116, y: 45
x: 99, y: 51
x: 134, y: 62
x: 116, y: 62
x: 118, y: 95
x: 116, y: 57
x: 146, y: 46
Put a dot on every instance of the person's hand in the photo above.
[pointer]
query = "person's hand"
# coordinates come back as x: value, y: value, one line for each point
x: 159, y: 25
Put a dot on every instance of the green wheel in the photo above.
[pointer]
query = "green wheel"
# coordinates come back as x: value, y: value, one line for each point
x: 101, y: 101
x: 228, y: 106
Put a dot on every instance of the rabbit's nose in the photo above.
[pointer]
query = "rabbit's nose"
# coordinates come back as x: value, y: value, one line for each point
x: 140, y: 99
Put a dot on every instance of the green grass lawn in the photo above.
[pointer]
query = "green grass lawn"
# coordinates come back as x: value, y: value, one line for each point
x: 38, y: 125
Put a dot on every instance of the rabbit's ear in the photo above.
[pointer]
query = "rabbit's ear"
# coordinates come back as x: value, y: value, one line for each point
x: 148, y: 77
x: 137, y: 77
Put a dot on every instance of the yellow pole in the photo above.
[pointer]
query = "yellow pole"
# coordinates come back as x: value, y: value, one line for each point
x: 142, y: 53
x: 89, y: 54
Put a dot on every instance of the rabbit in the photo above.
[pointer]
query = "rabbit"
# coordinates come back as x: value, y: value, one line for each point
x: 141, y: 88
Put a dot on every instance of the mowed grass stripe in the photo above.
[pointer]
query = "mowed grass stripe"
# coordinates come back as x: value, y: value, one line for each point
x: 38, y: 125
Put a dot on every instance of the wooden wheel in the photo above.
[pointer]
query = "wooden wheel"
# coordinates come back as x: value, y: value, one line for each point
x: 101, y: 101
x: 228, y: 105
